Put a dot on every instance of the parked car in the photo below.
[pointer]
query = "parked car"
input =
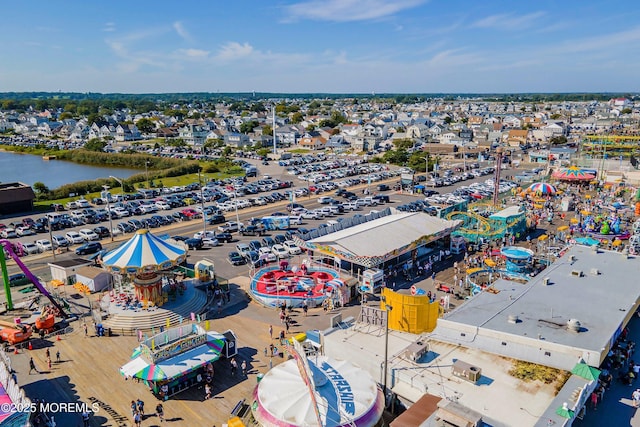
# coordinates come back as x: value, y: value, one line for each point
x: 19, y: 279
x: 24, y: 231
x: 210, y: 242
x: 89, y: 248
x: 280, y: 238
x: 44, y: 245
x: 243, y: 248
x: 101, y: 231
x: 194, y: 243
x: 266, y: 254
x: 203, y: 234
x: 60, y: 241
x: 292, y: 248
x: 29, y: 248
x: 253, y: 258
x: 224, y: 237
x: 88, y: 235
x: 268, y: 242
x: 217, y: 219
x: 255, y: 245
x: 231, y: 227
x: 235, y: 258
x: 74, y: 238
x: 279, y: 251
x: 252, y: 230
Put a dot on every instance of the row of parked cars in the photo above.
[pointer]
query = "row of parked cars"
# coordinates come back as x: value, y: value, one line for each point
x: 449, y: 177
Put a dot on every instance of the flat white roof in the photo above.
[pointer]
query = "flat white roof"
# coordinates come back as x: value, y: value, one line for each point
x: 598, y: 289
x: 363, y: 345
x: 384, y: 235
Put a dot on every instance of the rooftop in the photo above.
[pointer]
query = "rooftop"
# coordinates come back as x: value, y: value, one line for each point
x: 400, y: 230
x: 588, y: 289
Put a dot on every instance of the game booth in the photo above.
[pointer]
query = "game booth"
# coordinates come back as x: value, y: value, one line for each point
x: 170, y: 361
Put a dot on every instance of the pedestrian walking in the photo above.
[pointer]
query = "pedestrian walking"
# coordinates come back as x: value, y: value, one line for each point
x: 271, y: 331
x: 594, y: 401
x: 207, y: 392
x: 134, y: 408
x: 58, y: 356
x: 85, y: 419
x: 140, y: 405
x: 49, y: 362
x: 160, y: 412
x: 219, y: 307
x: 305, y: 308
x: 635, y: 397
x: 286, y: 325
x: 234, y: 367
x: 86, y: 329
x: 137, y: 419
x: 47, y: 354
x: 32, y: 366
x: 244, y: 368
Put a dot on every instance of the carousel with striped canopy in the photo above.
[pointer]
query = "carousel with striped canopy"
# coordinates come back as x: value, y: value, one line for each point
x: 145, y: 257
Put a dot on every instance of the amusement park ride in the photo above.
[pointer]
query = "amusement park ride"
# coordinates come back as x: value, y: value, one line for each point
x: 16, y: 332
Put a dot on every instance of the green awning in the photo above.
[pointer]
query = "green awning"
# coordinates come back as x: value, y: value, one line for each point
x: 585, y: 371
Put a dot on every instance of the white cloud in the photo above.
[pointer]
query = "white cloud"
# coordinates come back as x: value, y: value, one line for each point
x: 194, y: 53
x: 347, y: 10
x: 234, y: 50
x: 182, y: 32
x: 109, y: 27
x: 508, y: 21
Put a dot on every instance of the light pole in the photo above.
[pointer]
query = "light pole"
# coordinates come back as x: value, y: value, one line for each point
x: 204, y: 215
x: 387, y: 309
x: 119, y: 181
x: 146, y: 171
x: 53, y: 250
x: 106, y: 194
x: 366, y: 159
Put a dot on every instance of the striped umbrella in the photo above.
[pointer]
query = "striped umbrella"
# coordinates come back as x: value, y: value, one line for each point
x: 542, y: 188
x: 144, y: 252
x: 573, y: 174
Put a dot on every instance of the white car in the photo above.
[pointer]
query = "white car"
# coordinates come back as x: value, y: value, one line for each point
x: 292, y: 248
x: 279, y: 251
x: 205, y: 235
x: 163, y: 206
x: 44, y: 245
x: 88, y: 235
x: 266, y: 254
x: 149, y: 208
x: 24, y: 231
x: 9, y: 233
x: 60, y: 241
x: 74, y: 237
x: 209, y: 242
x: 120, y: 212
x: 30, y: 248
x: 231, y: 227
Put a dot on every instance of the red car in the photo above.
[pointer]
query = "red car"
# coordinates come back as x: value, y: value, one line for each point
x: 190, y: 213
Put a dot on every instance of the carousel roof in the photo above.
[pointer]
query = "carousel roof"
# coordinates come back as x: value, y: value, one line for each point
x: 145, y: 252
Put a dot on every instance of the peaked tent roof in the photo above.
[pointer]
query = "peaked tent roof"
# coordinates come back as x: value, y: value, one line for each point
x: 585, y: 371
x: 144, y: 252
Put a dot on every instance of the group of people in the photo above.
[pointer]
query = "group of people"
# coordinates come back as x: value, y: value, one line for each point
x: 137, y: 412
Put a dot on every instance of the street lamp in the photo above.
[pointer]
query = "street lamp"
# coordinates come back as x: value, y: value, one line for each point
x: 146, y: 171
x: 119, y: 181
x: 106, y: 194
x: 387, y: 309
x: 204, y: 215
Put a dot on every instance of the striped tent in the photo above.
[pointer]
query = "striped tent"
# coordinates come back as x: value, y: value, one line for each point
x: 144, y: 253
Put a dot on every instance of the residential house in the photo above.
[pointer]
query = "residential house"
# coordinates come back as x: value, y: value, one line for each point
x: 312, y: 142
x: 127, y: 132
x: 193, y: 135
x: 418, y: 131
x: 236, y: 139
x: 287, y: 136
x: 517, y: 137
x: 512, y: 122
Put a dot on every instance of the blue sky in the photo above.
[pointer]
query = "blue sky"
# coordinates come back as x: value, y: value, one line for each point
x: 330, y: 46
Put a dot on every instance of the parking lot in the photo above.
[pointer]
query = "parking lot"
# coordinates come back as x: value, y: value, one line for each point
x: 310, y: 211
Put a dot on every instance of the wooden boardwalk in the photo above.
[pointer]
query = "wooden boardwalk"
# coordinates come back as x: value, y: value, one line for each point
x: 89, y: 373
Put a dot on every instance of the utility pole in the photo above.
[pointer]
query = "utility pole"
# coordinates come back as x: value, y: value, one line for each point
x: 106, y: 194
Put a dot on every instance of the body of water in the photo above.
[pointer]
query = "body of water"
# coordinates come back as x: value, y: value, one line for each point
x: 29, y: 169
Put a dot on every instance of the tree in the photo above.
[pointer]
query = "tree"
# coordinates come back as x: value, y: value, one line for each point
x: 267, y: 130
x: 558, y: 140
x: 626, y: 111
x: 146, y: 125
x: 40, y: 188
x: 94, y: 118
x: 247, y: 127
x: 66, y: 115
x: 403, y: 144
x: 297, y: 117
x: 95, y: 144
x: 448, y: 120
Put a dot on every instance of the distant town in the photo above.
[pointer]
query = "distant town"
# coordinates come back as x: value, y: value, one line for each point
x: 367, y: 126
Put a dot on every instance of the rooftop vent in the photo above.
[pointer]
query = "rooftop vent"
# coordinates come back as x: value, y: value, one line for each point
x: 512, y: 318
x: 595, y: 271
x: 546, y: 281
x: 577, y: 273
x: 574, y: 325
x: 572, y: 258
